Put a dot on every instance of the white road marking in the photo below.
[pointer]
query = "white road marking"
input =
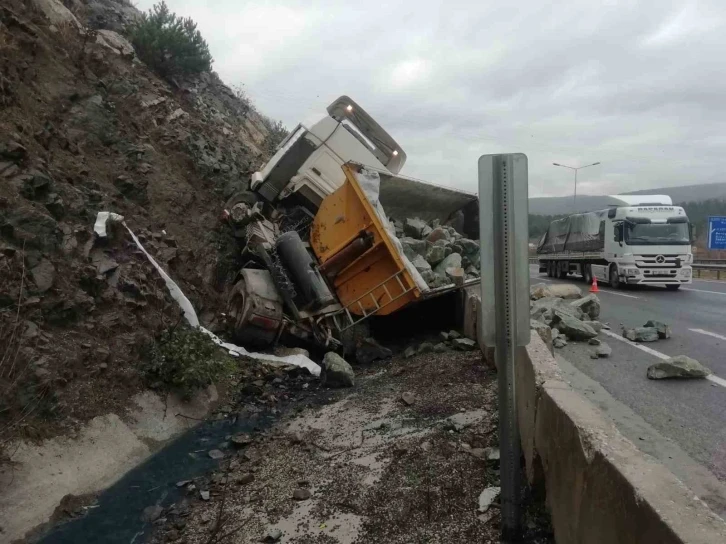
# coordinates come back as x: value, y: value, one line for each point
x: 703, y: 291
x: 608, y: 291
x: 658, y: 354
x: 708, y: 333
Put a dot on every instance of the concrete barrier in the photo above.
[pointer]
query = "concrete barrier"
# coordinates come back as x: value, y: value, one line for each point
x: 600, y: 489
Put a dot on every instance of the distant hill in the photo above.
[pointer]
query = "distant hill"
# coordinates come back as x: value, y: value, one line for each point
x: 564, y: 205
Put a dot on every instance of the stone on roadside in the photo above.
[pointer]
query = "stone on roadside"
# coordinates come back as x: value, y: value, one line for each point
x: 559, y: 342
x: 595, y: 325
x: 273, y: 535
x: 301, y: 494
x: 215, y: 454
x: 603, y: 350
x: 407, y: 398
x: 487, y: 497
x: 464, y: 344
x: 538, y: 291
x: 337, y: 372
x: 425, y: 347
x: 409, y: 352
x: 589, y: 305
x: 641, y: 334
x: 453, y: 335
x: 677, y: 367
x: 573, y: 328
x: 593, y: 342
x: 370, y: 350
x: 444, y: 336
x: 204, y: 495
x: 664, y: 331
x: 544, y: 331
x: 441, y: 348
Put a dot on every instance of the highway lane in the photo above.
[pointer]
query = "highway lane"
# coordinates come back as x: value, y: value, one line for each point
x: 692, y: 413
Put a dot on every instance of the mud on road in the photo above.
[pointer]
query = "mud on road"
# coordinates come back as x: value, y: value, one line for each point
x: 402, y: 457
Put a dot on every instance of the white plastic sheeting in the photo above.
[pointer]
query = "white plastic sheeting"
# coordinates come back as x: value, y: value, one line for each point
x: 370, y: 183
x: 189, y: 314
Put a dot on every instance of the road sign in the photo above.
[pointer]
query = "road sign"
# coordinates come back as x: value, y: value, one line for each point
x: 504, y: 236
x: 717, y: 232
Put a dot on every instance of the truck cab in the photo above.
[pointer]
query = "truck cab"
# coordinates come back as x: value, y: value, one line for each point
x: 650, y: 244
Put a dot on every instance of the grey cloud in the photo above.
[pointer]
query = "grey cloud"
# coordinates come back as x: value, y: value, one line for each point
x: 638, y: 86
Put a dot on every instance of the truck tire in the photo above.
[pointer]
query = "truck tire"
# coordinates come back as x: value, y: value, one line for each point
x: 587, y: 273
x: 353, y: 337
x: 673, y: 287
x: 614, y: 278
x: 563, y: 269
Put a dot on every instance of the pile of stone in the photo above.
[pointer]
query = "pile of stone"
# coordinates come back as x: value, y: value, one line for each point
x: 448, y: 341
x: 559, y: 313
x: 440, y: 254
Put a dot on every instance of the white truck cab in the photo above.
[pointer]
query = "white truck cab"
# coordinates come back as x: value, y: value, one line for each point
x: 308, y: 162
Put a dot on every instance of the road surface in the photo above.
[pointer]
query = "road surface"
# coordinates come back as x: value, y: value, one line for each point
x: 691, y: 413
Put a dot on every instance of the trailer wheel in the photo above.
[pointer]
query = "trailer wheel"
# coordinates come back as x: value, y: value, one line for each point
x: 587, y: 273
x: 614, y: 278
x: 563, y: 269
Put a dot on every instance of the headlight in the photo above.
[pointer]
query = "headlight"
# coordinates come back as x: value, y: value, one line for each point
x: 632, y: 271
x: 686, y: 272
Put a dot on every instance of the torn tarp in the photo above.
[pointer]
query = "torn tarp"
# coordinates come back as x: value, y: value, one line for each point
x: 189, y: 314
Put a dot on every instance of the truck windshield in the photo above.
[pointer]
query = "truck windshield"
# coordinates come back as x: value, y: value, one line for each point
x: 637, y: 234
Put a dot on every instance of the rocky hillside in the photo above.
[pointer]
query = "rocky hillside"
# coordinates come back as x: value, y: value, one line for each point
x: 86, y: 127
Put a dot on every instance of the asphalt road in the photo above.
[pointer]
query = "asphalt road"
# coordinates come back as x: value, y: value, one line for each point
x: 691, y: 413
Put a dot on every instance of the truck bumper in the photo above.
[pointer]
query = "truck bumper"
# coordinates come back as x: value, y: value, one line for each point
x: 656, y: 276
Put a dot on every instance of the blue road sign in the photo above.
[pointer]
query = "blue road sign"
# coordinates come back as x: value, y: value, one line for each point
x: 717, y: 232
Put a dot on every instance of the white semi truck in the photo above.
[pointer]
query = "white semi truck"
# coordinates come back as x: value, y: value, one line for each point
x: 638, y: 240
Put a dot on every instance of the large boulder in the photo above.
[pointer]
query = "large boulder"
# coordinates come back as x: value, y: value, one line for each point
x: 641, y: 334
x: 564, y: 290
x: 544, y: 309
x: 572, y: 327
x: 57, y: 13
x: 596, y: 325
x: 664, y: 331
x: 452, y: 261
x: 337, y: 372
x: 677, y: 367
x: 370, y: 350
x: 589, y: 305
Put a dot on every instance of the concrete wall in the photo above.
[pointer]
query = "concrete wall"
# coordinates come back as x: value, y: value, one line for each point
x: 600, y: 488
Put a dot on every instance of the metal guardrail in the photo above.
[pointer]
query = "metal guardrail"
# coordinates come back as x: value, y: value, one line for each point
x: 718, y: 268
x: 709, y: 261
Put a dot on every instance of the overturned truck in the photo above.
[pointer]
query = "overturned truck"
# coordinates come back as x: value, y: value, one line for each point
x: 337, y: 235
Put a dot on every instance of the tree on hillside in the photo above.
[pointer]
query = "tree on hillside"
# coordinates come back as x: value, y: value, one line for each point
x: 170, y: 45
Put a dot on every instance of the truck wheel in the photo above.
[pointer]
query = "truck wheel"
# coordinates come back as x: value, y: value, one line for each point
x: 673, y: 287
x: 614, y: 278
x: 352, y: 338
x: 587, y: 273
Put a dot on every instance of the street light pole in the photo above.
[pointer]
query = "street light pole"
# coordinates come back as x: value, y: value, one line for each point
x: 574, y: 202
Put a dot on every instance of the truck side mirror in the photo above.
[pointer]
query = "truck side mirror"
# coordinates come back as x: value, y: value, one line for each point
x: 691, y: 233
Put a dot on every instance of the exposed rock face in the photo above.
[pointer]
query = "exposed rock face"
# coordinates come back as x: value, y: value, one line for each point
x: 677, y: 367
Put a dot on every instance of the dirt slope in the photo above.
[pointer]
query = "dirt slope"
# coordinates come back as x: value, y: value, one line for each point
x: 85, y: 127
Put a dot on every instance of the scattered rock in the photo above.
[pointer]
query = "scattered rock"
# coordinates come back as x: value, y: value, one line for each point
x: 464, y: 344
x: 246, y: 478
x: 641, y: 334
x: 370, y: 350
x: 544, y: 331
x: 301, y: 494
x: 337, y: 372
x: 677, y: 367
x: 593, y: 342
x: 603, y: 350
x: 595, y: 325
x: 241, y: 440
x: 407, y: 398
x: 273, y: 536
x: 453, y: 335
x: 409, y: 352
x: 487, y: 497
x: 492, y: 454
x: 444, y: 336
x: 216, y: 454
x: 588, y: 305
x: 441, y: 348
x: 559, y: 342
x: 204, y: 495
x: 425, y: 347
x: 151, y: 513
x: 664, y: 331
x: 572, y: 327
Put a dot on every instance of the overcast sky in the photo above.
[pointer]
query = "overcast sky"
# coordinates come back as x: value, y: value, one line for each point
x: 638, y: 86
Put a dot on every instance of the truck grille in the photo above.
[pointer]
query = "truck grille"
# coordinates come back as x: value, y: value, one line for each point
x: 659, y: 261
